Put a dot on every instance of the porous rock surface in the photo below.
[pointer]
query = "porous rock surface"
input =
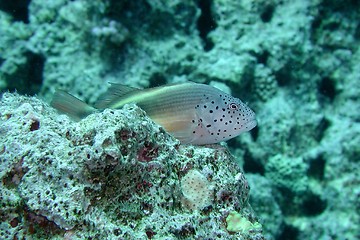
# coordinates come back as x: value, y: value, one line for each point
x: 113, y: 175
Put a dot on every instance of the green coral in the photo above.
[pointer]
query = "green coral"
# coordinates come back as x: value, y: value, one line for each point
x: 237, y: 223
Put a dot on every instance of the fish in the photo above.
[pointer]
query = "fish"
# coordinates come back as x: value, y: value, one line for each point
x: 194, y: 113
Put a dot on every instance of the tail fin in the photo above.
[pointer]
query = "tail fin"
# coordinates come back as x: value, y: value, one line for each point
x: 72, y: 106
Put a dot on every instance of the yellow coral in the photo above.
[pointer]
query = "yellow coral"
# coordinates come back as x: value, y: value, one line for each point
x: 196, y: 190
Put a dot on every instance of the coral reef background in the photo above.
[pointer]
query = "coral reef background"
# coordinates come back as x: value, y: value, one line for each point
x: 296, y: 63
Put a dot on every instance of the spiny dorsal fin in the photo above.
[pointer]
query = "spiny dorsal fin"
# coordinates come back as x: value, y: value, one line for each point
x: 120, y: 89
x: 115, y: 93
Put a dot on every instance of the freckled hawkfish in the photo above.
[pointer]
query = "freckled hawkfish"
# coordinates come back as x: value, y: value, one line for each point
x: 193, y: 113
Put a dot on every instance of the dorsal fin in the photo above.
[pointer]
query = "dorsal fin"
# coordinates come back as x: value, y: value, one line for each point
x: 114, y: 93
x: 120, y: 89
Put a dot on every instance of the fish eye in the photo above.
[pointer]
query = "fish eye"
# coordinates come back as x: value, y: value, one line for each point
x: 233, y: 106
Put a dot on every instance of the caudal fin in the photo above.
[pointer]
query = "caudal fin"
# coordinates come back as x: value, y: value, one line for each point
x: 70, y: 105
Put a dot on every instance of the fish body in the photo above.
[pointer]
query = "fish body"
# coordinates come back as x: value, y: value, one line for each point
x: 193, y: 113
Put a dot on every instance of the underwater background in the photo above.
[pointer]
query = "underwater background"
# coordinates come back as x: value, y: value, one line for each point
x: 117, y: 175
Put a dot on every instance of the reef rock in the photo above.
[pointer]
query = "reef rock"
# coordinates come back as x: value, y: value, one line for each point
x: 113, y: 175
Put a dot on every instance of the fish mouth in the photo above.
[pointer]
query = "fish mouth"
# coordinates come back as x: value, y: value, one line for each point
x: 250, y: 124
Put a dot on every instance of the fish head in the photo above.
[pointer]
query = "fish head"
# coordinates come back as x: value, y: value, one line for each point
x: 222, y: 118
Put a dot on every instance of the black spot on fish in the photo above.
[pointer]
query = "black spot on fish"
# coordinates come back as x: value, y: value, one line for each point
x: 230, y: 121
x: 224, y: 109
x: 205, y: 106
x: 193, y: 131
x: 193, y: 121
x: 220, y: 119
x: 217, y: 107
x: 208, y: 125
x: 212, y: 102
x: 211, y: 111
x: 215, y: 120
